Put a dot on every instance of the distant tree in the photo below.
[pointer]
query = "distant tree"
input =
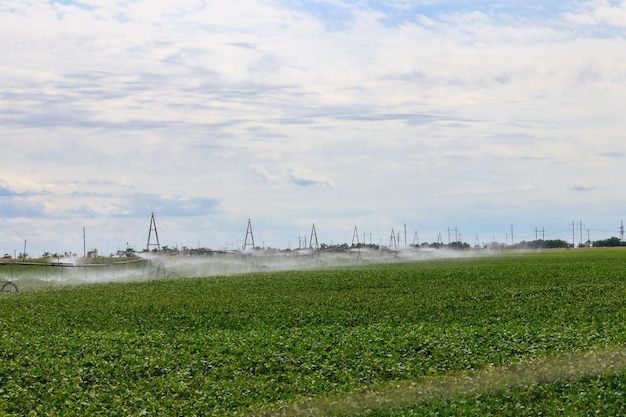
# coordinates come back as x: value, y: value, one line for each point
x: 495, y: 246
x: 458, y: 245
x: 334, y: 247
x: 611, y: 242
x: 541, y: 244
x: 128, y: 253
x: 366, y: 245
x: 554, y: 244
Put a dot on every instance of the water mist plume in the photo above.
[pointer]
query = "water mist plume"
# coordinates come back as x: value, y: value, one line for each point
x: 155, y: 266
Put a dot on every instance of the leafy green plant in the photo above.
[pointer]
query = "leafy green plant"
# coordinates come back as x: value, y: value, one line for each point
x: 263, y: 342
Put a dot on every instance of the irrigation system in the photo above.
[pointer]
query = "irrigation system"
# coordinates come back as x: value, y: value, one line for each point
x: 157, y: 262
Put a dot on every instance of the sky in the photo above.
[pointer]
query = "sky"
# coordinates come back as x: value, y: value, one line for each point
x: 480, y: 120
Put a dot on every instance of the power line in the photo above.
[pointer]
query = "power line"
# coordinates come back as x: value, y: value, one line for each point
x: 20, y: 236
x: 12, y: 228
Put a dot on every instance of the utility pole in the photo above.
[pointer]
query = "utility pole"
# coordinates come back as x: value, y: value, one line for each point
x: 543, y: 233
x: 581, y: 232
x: 405, y: 235
x: 573, y: 233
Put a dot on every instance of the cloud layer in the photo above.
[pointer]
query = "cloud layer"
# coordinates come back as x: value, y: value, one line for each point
x: 378, y: 114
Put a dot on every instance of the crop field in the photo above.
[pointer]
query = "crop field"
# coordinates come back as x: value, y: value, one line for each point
x: 536, y: 333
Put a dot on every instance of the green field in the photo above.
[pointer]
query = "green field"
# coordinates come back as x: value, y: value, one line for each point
x: 537, y: 333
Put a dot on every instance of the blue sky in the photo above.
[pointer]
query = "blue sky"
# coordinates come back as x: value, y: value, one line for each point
x: 469, y: 114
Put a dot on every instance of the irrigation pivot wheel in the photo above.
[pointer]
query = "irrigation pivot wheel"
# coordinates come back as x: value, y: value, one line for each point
x: 9, y: 287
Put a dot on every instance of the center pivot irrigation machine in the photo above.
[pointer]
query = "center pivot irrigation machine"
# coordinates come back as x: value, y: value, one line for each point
x: 156, y: 262
x: 149, y: 265
x: 66, y: 272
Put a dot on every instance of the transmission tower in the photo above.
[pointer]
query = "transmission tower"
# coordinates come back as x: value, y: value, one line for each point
x: 621, y: 231
x: 355, y: 236
x: 249, y: 240
x: 393, y: 243
x: 153, y: 227
x: 313, y: 243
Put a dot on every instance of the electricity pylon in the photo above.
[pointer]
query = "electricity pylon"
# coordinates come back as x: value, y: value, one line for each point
x: 249, y: 240
x: 156, y: 235
x: 355, y: 236
x: 313, y: 243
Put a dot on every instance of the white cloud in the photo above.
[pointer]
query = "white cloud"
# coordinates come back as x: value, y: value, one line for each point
x: 599, y: 12
x: 581, y: 187
x: 305, y: 177
x: 262, y: 172
x: 398, y: 112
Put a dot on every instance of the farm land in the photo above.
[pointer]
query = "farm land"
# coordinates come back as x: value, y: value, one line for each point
x: 534, y: 333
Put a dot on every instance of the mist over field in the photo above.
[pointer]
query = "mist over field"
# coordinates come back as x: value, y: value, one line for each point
x: 150, y: 266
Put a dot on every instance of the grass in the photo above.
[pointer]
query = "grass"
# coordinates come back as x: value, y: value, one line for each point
x: 379, y: 340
